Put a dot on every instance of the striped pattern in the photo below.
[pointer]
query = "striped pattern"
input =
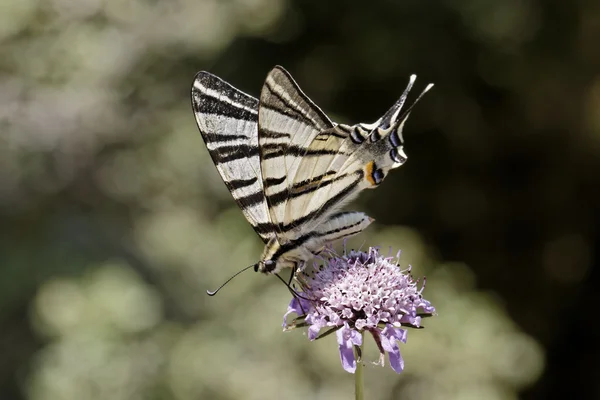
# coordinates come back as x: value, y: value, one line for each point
x: 284, y: 108
x: 296, y: 252
x: 289, y: 167
x: 228, y: 121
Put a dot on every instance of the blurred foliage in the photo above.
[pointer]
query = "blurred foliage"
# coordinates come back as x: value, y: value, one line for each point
x: 113, y: 221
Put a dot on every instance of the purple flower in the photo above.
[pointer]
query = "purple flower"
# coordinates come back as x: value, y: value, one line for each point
x: 356, y: 293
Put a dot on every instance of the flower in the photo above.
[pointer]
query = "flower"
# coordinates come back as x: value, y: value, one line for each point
x: 356, y: 293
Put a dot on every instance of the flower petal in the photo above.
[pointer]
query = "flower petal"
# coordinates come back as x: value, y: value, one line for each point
x: 360, y: 324
x: 316, y: 324
x: 313, y: 332
x: 427, y: 307
x: 394, y: 333
x: 355, y: 337
x: 396, y: 360
x: 346, y: 337
x: 299, y: 307
x: 412, y: 320
x: 389, y: 338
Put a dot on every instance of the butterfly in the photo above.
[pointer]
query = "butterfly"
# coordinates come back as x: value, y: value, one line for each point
x: 289, y: 167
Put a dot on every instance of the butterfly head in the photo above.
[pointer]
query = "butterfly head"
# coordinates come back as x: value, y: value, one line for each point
x: 264, y: 266
x: 278, y: 256
x: 273, y: 266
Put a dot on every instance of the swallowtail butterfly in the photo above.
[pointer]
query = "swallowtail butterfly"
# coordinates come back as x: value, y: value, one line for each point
x: 289, y: 167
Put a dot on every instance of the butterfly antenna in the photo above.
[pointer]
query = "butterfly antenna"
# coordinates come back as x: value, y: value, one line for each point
x: 212, y: 293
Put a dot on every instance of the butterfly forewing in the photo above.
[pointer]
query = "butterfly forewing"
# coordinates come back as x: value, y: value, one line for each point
x: 228, y: 120
x: 287, y: 123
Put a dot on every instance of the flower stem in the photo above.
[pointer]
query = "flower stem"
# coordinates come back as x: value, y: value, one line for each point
x: 358, y: 374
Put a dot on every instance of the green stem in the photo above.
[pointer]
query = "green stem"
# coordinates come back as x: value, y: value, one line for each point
x: 359, y: 385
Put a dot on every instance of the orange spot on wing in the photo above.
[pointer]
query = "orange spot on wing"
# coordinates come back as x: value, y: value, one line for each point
x: 369, y: 172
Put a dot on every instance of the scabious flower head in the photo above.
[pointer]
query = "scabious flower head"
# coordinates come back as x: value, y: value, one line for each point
x: 360, y: 292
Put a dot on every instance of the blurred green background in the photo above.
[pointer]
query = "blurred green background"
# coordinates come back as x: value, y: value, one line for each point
x: 114, y: 222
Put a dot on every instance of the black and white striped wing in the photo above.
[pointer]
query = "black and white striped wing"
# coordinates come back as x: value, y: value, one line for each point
x: 228, y: 121
x: 324, y: 164
x: 288, y: 121
x: 364, y: 158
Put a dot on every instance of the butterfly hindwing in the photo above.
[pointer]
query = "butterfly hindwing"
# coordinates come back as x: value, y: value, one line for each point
x: 367, y: 153
x: 321, y: 165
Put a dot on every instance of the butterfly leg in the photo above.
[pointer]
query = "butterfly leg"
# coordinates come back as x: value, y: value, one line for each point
x: 295, y: 269
x: 293, y: 273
